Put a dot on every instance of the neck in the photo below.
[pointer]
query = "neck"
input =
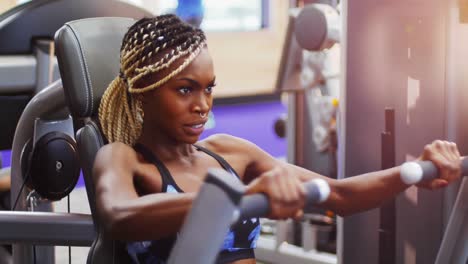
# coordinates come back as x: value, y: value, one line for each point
x: 165, y: 147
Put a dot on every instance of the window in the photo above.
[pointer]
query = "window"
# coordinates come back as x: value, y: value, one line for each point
x: 232, y: 15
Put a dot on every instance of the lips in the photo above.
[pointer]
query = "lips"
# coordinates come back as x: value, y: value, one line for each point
x: 195, y: 129
x: 197, y: 126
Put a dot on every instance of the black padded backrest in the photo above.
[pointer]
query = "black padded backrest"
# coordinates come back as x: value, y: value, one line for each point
x: 88, y: 53
x: 88, y: 56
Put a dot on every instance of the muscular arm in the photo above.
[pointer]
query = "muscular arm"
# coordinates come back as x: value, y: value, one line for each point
x: 348, y: 196
x: 369, y: 190
x: 358, y: 193
x: 124, y: 214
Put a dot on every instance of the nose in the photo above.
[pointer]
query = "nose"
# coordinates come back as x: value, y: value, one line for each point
x: 202, y: 104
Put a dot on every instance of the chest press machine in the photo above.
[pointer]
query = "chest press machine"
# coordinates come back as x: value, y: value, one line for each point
x: 38, y: 128
x: 87, y: 72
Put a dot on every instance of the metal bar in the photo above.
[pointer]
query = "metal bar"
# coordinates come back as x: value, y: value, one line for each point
x: 210, y: 217
x: 268, y: 251
x: 47, y: 66
x: 46, y: 103
x: 41, y: 228
x: 299, y: 109
x: 18, y: 74
x: 454, y: 246
x: 387, y: 231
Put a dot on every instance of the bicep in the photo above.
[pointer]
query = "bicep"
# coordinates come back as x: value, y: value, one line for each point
x: 259, y: 161
x: 113, y: 177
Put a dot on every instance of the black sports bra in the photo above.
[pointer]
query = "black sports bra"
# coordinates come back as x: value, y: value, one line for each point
x: 238, y: 244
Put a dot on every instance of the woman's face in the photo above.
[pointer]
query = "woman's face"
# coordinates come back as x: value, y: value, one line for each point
x: 179, y: 109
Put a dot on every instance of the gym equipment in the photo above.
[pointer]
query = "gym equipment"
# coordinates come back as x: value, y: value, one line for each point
x: 219, y: 205
x: 454, y: 246
x: 387, y: 223
x: 388, y: 62
x: 309, y: 86
x: 27, y: 62
x: 327, y: 27
x: 89, y: 138
x: 91, y: 34
x: 41, y: 228
x: 44, y: 126
x: 417, y: 171
x: 324, y: 34
x: 86, y: 70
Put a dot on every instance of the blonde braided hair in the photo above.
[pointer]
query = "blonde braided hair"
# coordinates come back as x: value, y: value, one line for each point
x: 165, y: 38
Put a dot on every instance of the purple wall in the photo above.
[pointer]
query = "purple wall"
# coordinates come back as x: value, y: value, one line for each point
x: 253, y: 122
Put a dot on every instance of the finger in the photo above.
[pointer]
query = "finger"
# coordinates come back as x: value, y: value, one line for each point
x: 274, y: 184
x: 293, y: 189
x: 274, y: 211
x: 445, y: 149
x: 437, y: 184
x: 299, y: 215
x: 279, y: 211
x: 439, y: 148
x: 428, y: 151
x: 275, y: 191
x: 453, y: 165
x: 301, y: 191
x: 454, y: 149
x: 445, y: 167
x: 281, y: 183
x: 449, y: 151
x: 301, y: 186
x: 458, y: 159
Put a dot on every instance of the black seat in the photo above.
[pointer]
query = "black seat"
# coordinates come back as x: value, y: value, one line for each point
x: 88, y: 57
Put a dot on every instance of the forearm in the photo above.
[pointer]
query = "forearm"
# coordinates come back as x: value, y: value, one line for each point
x: 146, y: 218
x: 366, y: 191
x: 358, y: 193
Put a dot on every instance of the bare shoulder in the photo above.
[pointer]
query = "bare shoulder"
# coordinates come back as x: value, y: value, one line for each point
x: 252, y: 159
x: 224, y: 143
x: 116, y: 155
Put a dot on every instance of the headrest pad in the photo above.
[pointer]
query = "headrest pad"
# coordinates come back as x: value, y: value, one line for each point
x: 88, y: 53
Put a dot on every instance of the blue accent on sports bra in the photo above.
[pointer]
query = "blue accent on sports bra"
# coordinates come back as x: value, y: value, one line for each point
x: 238, y: 244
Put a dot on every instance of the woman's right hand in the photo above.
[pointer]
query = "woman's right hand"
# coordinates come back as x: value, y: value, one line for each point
x: 286, y: 192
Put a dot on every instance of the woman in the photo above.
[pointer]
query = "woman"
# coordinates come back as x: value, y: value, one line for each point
x: 153, y: 115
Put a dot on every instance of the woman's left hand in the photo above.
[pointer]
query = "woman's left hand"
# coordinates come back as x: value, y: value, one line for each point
x: 446, y: 158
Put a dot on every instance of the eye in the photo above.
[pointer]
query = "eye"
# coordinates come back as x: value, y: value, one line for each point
x: 209, y: 89
x: 185, y: 90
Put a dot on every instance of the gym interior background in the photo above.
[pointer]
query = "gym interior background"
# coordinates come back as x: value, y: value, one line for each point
x: 326, y: 109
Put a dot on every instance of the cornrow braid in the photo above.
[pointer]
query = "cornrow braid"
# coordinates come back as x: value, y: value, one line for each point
x: 150, y: 37
x: 174, y: 42
x: 149, y: 46
x: 130, y: 36
x: 154, y: 41
x: 165, y: 62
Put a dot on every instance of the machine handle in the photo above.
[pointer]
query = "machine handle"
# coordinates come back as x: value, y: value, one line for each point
x: 417, y: 171
x: 258, y: 205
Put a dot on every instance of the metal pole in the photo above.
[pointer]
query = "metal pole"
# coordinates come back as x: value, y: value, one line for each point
x: 46, y: 67
x: 46, y: 103
x: 387, y: 242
